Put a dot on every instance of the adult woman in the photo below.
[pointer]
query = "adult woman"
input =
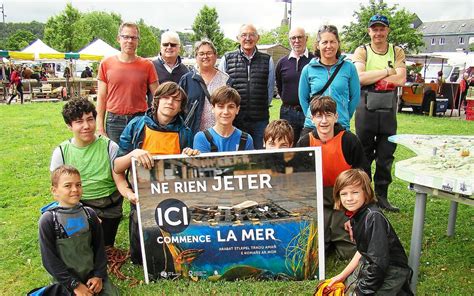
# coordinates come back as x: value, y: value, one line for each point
x: 344, y: 89
x: 199, y: 84
x: 17, y: 85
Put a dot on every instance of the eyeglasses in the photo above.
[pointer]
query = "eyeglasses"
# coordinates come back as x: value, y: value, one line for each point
x: 203, y: 54
x: 169, y: 44
x: 321, y: 116
x: 248, y: 35
x: 294, y: 38
x: 128, y: 37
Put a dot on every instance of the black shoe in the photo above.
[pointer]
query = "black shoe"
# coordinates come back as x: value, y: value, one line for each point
x: 385, y: 205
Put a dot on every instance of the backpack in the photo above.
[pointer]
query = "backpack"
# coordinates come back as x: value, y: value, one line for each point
x: 243, y: 141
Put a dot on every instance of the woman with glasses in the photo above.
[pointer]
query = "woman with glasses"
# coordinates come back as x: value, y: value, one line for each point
x: 315, y: 79
x: 199, y: 84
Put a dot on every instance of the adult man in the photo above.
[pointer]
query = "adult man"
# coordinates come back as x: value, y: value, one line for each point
x: 253, y: 76
x: 123, y: 83
x: 381, y: 68
x: 168, y: 64
x: 287, y: 73
x: 87, y: 73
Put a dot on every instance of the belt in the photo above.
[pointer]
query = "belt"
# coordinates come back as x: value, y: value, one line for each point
x: 293, y: 107
x: 128, y: 115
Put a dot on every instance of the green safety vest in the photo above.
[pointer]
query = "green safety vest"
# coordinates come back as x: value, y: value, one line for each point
x: 377, y: 61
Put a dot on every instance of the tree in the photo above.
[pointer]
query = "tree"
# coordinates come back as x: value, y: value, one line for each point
x: 97, y: 24
x: 206, y: 25
x: 59, y: 31
x: 19, y: 40
x: 278, y: 35
x: 149, y: 45
x: 401, y: 33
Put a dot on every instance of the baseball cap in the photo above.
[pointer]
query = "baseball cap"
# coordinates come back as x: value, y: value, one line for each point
x: 379, y: 19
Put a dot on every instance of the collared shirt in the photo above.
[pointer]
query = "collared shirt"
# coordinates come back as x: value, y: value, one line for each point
x: 271, y: 72
x: 293, y: 54
x: 167, y: 67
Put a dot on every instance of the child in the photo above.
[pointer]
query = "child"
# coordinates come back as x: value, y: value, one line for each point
x: 380, y: 265
x: 160, y: 131
x: 278, y: 134
x: 93, y: 157
x: 341, y: 150
x: 71, y: 241
x: 223, y: 136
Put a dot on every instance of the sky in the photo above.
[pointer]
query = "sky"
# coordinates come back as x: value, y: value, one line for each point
x: 179, y: 15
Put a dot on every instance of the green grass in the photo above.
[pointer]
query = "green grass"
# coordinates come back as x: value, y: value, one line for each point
x: 29, y: 133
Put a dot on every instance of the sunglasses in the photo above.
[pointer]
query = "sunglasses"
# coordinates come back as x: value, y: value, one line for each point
x: 169, y: 44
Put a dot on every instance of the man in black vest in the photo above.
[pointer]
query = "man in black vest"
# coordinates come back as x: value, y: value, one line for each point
x: 168, y: 64
x: 253, y: 76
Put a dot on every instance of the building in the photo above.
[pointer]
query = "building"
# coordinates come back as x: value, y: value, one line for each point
x: 277, y: 51
x: 447, y: 36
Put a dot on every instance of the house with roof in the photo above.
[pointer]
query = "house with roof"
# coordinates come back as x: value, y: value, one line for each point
x: 447, y: 36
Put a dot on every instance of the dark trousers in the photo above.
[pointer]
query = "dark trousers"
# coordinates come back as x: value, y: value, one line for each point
x: 255, y: 128
x: 116, y: 123
x: 295, y: 118
x: 19, y: 89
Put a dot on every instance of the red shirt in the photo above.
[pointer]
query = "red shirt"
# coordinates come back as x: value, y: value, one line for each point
x: 127, y: 84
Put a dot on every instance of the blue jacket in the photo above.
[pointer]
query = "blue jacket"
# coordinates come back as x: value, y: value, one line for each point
x: 344, y: 89
x: 190, y: 82
x: 134, y: 133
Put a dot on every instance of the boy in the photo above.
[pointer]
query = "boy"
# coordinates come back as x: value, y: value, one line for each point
x: 93, y: 156
x: 278, y: 134
x: 71, y: 241
x: 160, y: 131
x: 341, y: 150
x: 223, y: 136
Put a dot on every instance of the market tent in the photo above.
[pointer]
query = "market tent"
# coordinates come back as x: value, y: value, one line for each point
x: 38, y: 47
x: 17, y: 55
x: 99, y: 47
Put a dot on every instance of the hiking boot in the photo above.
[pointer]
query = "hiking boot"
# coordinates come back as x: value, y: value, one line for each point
x: 384, y: 204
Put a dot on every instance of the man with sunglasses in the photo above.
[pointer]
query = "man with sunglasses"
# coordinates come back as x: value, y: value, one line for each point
x: 253, y: 76
x: 168, y: 64
x: 123, y: 82
x: 381, y: 68
x: 287, y: 74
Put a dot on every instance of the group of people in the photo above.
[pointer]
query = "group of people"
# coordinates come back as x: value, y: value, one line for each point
x: 226, y: 108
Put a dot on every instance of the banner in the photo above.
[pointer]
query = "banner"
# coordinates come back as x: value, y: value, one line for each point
x: 227, y: 216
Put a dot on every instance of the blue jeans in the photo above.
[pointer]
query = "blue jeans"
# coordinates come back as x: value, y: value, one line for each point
x: 255, y: 129
x: 295, y: 118
x: 116, y: 123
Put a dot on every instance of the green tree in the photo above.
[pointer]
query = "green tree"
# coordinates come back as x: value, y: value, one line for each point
x: 278, y: 35
x: 94, y: 25
x: 149, y: 45
x: 19, y: 40
x: 401, y: 33
x: 206, y: 25
x: 59, y: 31
x: 229, y: 44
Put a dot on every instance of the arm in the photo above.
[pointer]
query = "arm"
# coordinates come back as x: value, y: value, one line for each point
x: 347, y: 271
x: 56, y: 159
x: 400, y: 77
x: 354, y: 91
x: 249, y: 144
x: 49, y: 254
x: 101, y: 104
x: 271, y: 80
x: 119, y: 179
x: 153, y: 86
x: 144, y: 158
x: 223, y: 65
x: 278, y: 76
x: 304, y: 90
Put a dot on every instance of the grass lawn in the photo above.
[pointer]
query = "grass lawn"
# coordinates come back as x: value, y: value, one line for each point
x: 30, y: 132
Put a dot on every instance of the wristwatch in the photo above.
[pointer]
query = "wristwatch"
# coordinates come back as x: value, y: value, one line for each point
x: 74, y: 284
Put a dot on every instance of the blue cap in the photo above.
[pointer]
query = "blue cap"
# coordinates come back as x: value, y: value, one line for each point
x: 379, y: 19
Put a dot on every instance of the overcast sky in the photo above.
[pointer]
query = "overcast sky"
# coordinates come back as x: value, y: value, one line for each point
x: 265, y: 14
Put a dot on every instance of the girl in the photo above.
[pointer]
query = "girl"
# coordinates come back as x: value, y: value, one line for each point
x: 379, y: 266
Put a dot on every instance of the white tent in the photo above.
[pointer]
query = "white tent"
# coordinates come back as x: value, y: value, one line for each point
x: 38, y: 47
x: 99, y: 47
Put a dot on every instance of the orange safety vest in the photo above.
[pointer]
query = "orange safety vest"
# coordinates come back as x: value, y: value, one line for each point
x: 159, y: 142
x: 333, y: 160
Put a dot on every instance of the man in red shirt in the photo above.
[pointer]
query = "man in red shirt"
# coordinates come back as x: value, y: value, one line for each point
x: 123, y: 83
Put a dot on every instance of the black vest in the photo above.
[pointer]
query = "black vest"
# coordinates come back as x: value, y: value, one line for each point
x: 250, y: 79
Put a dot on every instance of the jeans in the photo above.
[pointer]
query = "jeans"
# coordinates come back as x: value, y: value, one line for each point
x: 116, y: 123
x: 255, y: 129
x: 295, y: 118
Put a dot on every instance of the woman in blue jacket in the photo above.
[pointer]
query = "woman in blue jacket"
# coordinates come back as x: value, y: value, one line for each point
x: 344, y: 89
